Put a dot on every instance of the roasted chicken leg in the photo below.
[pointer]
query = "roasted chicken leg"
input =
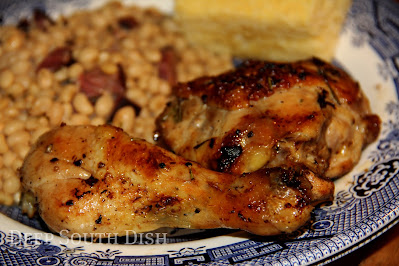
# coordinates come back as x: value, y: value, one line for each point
x: 265, y: 114
x: 92, y: 180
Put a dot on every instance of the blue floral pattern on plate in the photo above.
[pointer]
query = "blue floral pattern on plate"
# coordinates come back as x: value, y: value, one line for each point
x: 363, y: 209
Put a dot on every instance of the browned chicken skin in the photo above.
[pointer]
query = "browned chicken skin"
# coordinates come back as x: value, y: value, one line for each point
x: 273, y: 132
x: 306, y: 114
x: 89, y: 179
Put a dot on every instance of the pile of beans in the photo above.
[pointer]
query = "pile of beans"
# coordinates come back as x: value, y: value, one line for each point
x: 115, y: 64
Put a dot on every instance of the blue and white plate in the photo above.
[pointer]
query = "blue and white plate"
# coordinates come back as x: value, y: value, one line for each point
x: 366, y: 200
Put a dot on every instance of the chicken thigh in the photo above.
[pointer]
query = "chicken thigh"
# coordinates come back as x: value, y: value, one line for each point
x: 99, y: 180
x: 307, y: 114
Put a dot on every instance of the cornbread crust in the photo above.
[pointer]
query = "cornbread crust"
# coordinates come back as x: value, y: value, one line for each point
x: 271, y: 30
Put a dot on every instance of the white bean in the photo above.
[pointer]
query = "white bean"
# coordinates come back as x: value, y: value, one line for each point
x: 82, y: 104
x: 124, y: 118
x: 104, y: 105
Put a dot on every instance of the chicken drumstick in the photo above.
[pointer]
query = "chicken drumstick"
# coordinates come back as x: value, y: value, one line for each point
x: 89, y: 180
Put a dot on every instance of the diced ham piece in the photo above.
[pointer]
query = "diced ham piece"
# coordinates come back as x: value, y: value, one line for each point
x: 167, y: 65
x: 128, y: 23
x: 95, y: 82
x: 41, y: 19
x: 59, y: 57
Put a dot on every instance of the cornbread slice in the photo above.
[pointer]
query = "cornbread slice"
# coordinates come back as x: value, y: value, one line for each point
x: 282, y: 30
